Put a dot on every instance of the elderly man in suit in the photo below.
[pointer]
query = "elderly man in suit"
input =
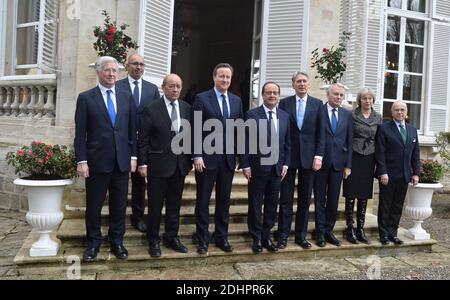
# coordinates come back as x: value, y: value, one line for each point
x: 217, y: 168
x: 264, y: 178
x: 165, y: 170
x: 105, y: 149
x: 337, y: 163
x: 307, y: 148
x: 144, y: 93
x: 397, y: 155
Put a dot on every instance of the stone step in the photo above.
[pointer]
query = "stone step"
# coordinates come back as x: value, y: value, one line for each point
x: 73, y: 232
x: 238, y: 213
x: 139, y: 259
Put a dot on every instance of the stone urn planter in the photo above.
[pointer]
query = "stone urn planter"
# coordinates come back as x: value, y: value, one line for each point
x: 44, y: 214
x: 419, y: 207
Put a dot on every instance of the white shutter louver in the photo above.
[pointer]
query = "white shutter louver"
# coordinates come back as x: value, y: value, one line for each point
x: 442, y: 9
x: 374, y: 49
x: 285, y: 41
x: 48, y: 35
x: 351, y: 20
x: 156, y: 38
x: 437, y: 114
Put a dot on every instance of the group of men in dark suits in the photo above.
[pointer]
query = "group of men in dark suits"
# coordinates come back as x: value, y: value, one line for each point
x: 126, y: 126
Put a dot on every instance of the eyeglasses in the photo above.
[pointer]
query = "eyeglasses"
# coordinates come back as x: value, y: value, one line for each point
x: 136, y: 64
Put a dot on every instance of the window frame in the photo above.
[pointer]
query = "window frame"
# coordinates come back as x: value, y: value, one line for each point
x: 405, y: 14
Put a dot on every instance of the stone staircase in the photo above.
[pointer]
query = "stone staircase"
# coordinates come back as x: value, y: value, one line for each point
x: 72, y: 232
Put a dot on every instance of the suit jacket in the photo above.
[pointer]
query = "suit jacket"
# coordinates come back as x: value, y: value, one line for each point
x: 155, y: 141
x: 397, y: 160
x: 150, y: 93
x: 96, y: 141
x: 310, y: 141
x: 207, y: 104
x: 338, y: 145
x: 253, y: 161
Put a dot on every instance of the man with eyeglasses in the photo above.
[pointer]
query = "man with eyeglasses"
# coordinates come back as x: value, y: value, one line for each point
x: 144, y: 93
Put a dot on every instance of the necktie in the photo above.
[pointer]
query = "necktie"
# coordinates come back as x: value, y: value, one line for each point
x: 334, y: 121
x: 300, y: 113
x: 111, y: 110
x: 269, y: 129
x: 403, y: 133
x: 174, y: 117
x: 136, y: 93
x: 224, y: 107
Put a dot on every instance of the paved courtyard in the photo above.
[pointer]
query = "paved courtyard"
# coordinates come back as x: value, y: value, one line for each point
x: 420, y: 266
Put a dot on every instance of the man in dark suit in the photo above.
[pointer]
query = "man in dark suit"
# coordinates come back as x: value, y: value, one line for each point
x: 166, y: 171
x: 397, y: 155
x: 307, y: 147
x: 217, y: 104
x: 265, y: 177
x: 144, y: 93
x: 105, y: 149
x: 337, y: 163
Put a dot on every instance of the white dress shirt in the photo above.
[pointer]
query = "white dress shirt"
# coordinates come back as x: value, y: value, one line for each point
x: 131, y: 81
x: 177, y: 109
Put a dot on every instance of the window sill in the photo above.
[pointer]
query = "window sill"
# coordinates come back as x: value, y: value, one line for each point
x: 28, y: 77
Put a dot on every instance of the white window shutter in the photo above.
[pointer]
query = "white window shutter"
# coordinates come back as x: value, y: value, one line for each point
x: 156, y: 38
x: 284, y: 41
x: 441, y: 10
x: 438, y: 97
x: 48, y: 35
x: 352, y: 18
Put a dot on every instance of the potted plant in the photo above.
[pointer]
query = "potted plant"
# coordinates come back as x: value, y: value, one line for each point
x: 47, y: 169
x: 112, y: 41
x: 420, y: 196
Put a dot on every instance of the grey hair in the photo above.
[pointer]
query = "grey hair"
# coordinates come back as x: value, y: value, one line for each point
x: 363, y: 92
x: 335, y: 84
x: 296, y: 74
x: 103, y: 60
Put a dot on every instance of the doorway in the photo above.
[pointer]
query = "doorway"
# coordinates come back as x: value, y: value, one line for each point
x: 206, y: 33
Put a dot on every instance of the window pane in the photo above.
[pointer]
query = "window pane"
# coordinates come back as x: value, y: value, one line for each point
x: 390, y: 86
x: 393, y: 29
x: 413, y: 113
x: 412, y: 88
x: 28, y: 11
x: 27, y: 46
x: 392, y: 57
x: 415, y: 32
x: 417, y: 5
x: 395, y: 3
x: 258, y: 17
x: 413, y: 59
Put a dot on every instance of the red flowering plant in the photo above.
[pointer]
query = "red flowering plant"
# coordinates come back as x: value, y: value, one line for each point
x: 40, y: 161
x: 431, y: 171
x: 330, y: 64
x: 112, y: 41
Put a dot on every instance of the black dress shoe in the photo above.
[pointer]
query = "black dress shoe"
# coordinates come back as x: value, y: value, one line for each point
x: 304, y: 244
x: 320, y: 241
x: 395, y: 240
x: 384, y: 240
x: 202, y: 249
x: 119, y: 251
x: 269, y: 245
x: 330, y: 238
x: 139, y: 225
x: 257, y: 246
x: 282, y: 243
x: 154, y: 249
x: 176, y: 245
x: 90, y: 254
x: 224, y: 245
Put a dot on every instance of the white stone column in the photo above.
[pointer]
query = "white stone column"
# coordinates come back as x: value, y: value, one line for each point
x: 39, y: 109
x: 15, y: 104
x: 7, y: 105
x: 23, y: 107
x: 2, y: 97
x: 49, y: 106
x: 32, y: 104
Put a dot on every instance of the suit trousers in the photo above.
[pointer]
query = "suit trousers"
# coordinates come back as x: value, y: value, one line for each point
x: 327, y: 188
x: 390, y: 207
x: 97, y: 185
x: 222, y: 178
x: 168, y: 191
x: 304, y: 192
x: 137, y: 196
x: 263, y: 190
